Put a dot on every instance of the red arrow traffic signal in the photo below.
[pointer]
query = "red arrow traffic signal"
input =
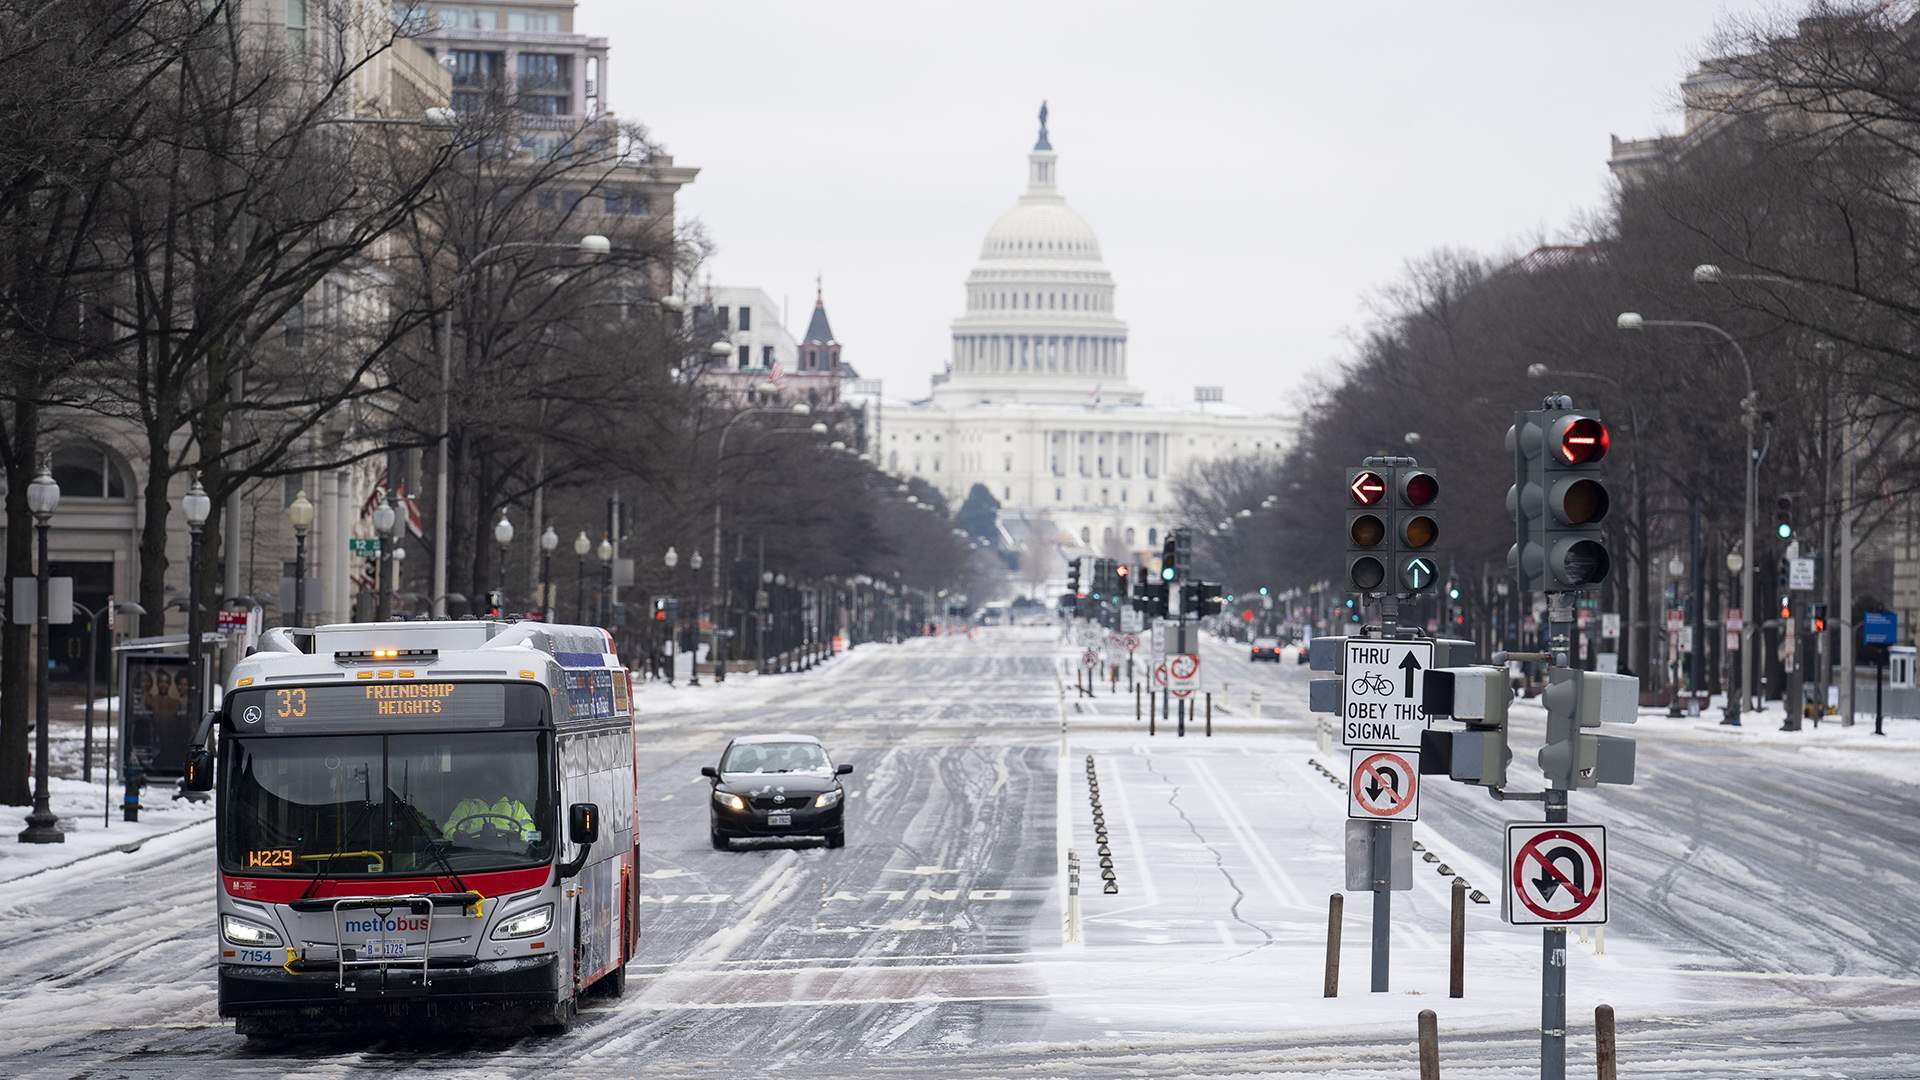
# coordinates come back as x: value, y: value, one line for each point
x: 1367, y: 488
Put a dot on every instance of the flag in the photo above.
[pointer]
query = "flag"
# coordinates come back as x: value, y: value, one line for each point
x: 775, y: 374
x: 416, y: 524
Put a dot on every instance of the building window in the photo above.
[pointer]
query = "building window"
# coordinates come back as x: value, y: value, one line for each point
x: 472, y: 67
x: 746, y: 317
x: 85, y: 471
x: 1149, y: 494
x: 1008, y: 460
x: 539, y: 22
x: 1086, y: 535
x: 766, y: 356
x: 297, y: 26
x: 1153, y: 537
x: 1006, y: 494
x: 544, y: 71
x: 1129, y: 535
x: 725, y: 315
x: 458, y: 18
x: 629, y: 202
x: 1059, y: 495
x: 936, y: 463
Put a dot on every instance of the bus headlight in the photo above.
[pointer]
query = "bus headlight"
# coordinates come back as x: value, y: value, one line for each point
x: 828, y: 798
x: 248, y: 933
x: 525, y: 924
x: 729, y: 800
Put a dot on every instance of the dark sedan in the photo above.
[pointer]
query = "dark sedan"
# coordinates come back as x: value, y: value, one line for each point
x: 777, y: 786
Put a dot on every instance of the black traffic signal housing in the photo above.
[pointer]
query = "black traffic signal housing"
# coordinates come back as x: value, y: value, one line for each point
x: 1201, y: 598
x: 1783, y: 517
x: 1559, y: 500
x: 1416, y: 528
x: 1369, y: 529
x: 1182, y: 541
x: 1819, y: 618
x: 659, y: 609
x: 1150, y: 598
x: 1073, y: 576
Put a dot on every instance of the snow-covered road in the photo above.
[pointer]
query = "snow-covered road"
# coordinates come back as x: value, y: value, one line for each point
x: 1763, y: 920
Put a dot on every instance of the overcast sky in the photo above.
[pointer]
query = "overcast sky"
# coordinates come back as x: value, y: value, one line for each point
x: 1254, y: 169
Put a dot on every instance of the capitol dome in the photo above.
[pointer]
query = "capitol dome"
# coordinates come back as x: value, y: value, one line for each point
x: 1039, y: 323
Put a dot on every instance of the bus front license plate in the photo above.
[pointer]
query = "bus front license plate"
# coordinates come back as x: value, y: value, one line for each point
x: 780, y: 819
x: 385, y: 949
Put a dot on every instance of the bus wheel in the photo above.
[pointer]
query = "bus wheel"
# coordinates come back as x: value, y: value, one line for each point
x: 560, y: 1020
x: 614, y: 983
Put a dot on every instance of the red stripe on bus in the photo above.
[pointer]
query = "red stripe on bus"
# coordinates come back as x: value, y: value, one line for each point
x: 279, y: 890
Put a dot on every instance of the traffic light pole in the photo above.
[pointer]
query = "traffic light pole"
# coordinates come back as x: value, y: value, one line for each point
x: 1553, y: 944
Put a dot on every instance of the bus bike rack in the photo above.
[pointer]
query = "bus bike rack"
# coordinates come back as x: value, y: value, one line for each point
x: 381, y: 906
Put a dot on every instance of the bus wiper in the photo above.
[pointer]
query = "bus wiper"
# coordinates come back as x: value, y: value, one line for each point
x: 379, y: 868
x: 438, y: 849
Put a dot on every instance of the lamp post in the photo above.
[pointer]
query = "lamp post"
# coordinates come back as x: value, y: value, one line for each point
x: 1749, y: 418
x: 581, y: 545
x: 549, y: 540
x: 799, y: 408
x: 300, y: 516
x: 592, y: 246
x: 605, y: 552
x: 196, y: 507
x: 43, y: 827
x: 1739, y: 680
x: 671, y: 559
x: 503, y: 535
x: 383, y: 519
x: 693, y: 564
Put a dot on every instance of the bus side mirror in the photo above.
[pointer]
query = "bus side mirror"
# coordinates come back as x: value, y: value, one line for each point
x: 583, y: 823
x: 199, y: 774
x: 844, y: 770
x: 709, y: 772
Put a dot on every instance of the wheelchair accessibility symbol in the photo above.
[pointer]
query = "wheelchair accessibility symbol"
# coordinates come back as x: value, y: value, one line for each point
x: 251, y: 715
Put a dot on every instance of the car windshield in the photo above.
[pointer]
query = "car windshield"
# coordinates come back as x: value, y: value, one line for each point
x: 444, y: 803
x: 776, y: 757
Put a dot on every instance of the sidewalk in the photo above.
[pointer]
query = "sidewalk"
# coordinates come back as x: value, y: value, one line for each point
x: 78, y: 806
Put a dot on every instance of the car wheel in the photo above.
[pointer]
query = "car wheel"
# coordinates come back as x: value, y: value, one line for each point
x: 720, y: 843
x: 837, y: 838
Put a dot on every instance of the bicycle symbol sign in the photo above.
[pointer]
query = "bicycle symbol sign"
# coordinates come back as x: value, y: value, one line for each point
x: 1380, y: 705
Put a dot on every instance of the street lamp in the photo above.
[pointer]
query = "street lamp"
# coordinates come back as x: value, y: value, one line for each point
x: 593, y: 246
x: 581, y: 545
x: 673, y: 558
x: 549, y: 540
x: 196, y: 507
x: 503, y: 535
x: 389, y: 524
x: 1632, y: 321
x: 605, y: 551
x: 300, y: 516
x: 43, y: 826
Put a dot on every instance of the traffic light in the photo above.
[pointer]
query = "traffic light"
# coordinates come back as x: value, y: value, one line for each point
x: 1783, y: 517
x: 1477, y: 697
x: 1369, y: 517
x: 1416, y: 527
x: 1786, y: 605
x: 1073, y: 577
x: 1558, y: 500
x: 1150, y: 598
x: 1819, y: 618
x: 1577, y: 700
x: 1263, y: 590
x: 659, y: 610
x: 1182, y: 542
x: 1201, y: 598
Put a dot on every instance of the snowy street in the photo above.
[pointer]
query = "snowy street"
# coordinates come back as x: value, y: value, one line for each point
x: 1762, y: 921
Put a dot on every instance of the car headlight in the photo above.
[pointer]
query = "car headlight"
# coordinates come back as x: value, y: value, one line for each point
x: 247, y: 932
x: 729, y: 800
x: 828, y: 798
x: 525, y: 924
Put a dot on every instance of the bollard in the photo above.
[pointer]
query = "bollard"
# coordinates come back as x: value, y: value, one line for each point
x: 1153, y: 714
x: 1254, y: 703
x: 1209, y: 715
x: 1136, y: 704
x: 1604, y: 1055
x: 1429, y: 1045
x: 1334, y: 905
x: 1073, y: 898
x: 1457, y: 962
x: 1181, y: 705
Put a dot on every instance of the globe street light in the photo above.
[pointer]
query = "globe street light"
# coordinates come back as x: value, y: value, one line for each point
x: 549, y: 540
x: 581, y: 545
x: 388, y: 522
x: 605, y: 551
x: 43, y: 826
x: 197, y: 508
x: 300, y: 516
x: 503, y: 535
x: 672, y: 559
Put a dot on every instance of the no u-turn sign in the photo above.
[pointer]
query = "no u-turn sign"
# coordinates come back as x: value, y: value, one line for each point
x: 1556, y: 875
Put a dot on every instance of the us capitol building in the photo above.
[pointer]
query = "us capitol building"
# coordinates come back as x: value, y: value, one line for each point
x: 1035, y: 404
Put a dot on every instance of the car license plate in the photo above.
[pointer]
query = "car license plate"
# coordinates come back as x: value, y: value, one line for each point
x: 780, y: 819
x: 384, y: 948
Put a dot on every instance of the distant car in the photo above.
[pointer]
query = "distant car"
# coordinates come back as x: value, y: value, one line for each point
x: 776, y: 786
x: 1266, y: 648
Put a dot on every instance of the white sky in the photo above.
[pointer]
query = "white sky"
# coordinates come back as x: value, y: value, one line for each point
x: 1254, y: 169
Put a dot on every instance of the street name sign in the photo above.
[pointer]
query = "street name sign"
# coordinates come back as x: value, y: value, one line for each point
x: 1556, y: 875
x: 363, y: 545
x: 1381, y: 705
x: 1383, y: 785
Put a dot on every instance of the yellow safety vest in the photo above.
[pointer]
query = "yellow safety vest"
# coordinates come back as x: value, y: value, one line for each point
x: 513, y: 809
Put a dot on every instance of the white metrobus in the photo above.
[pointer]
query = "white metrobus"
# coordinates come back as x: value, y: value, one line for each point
x: 423, y: 821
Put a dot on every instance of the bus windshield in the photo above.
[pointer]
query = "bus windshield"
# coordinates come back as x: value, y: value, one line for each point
x: 343, y: 805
